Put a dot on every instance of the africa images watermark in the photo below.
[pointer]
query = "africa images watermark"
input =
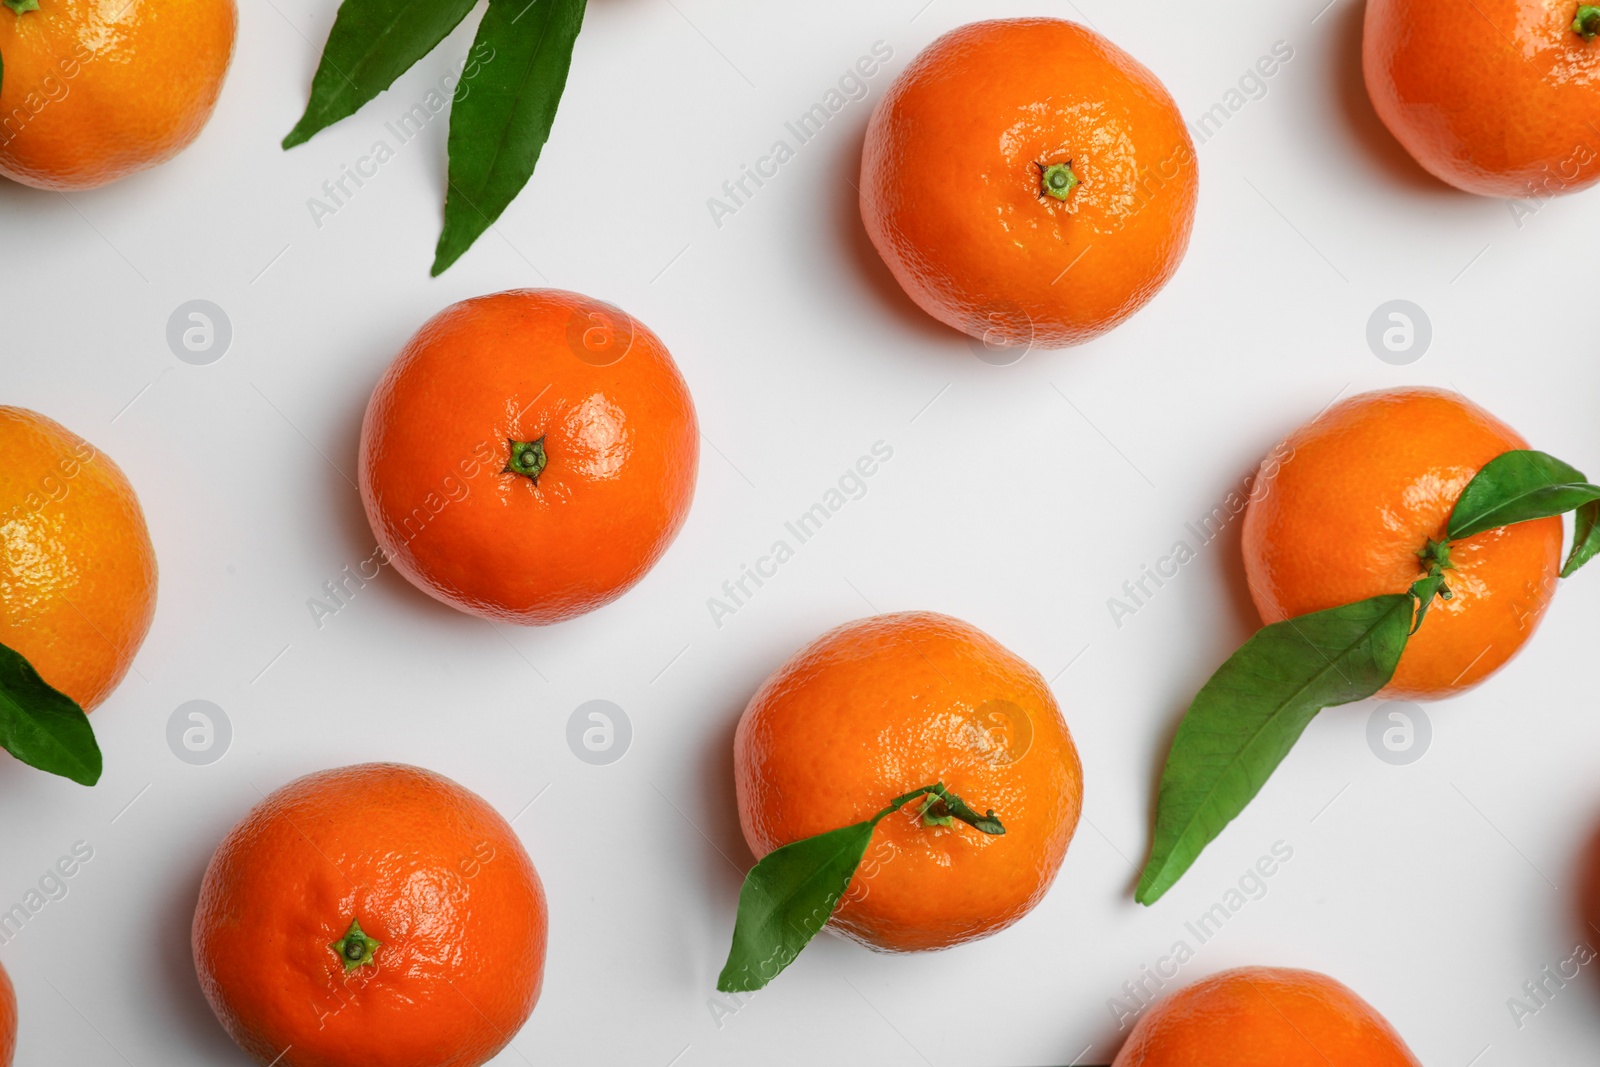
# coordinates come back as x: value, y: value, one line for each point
x: 851, y: 485
x: 338, y: 191
x: 1543, y: 988
x: 1137, y: 592
x: 1139, y: 993
x: 851, y: 87
x: 1252, y: 85
x: 1553, y: 183
x: 52, y: 89
x: 52, y: 886
x: 52, y: 489
x: 340, y: 591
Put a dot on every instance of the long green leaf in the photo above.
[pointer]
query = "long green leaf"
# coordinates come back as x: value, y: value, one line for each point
x: 42, y: 726
x: 502, y: 113
x: 1517, y: 487
x: 1247, y: 717
x: 371, y: 44
x: 786, y: 899
x: 1585, y: 537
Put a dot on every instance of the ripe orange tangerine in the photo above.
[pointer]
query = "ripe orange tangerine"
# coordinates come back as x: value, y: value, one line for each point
x: 1342, y: 508
x: 889, y: 704
x: 1028, y: 182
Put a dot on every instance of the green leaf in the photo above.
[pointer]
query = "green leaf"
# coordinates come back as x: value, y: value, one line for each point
x: 42, y: 726
x: 371, y: 44
x: 502, y: 113
x: 1585, y: 537
x: 790, y: 895
x: 1247, y: 717
x: 786, y: 899
x: 1517, y: 487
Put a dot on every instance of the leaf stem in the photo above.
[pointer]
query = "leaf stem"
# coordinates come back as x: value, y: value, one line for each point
x: 942, y: 806
x: 1435, y: 557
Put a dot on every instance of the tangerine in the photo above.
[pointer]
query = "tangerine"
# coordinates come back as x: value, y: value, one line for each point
x: 92, y: 92
x: 1264, y: 1017
x: 1343, y: 508
x: 78, y: 589
x: 1497, y: 98
x: 8, y: 1020
x: 885, y: 705
x: 378, y: 915
x: 1028, y: 182
x: 529, y: 455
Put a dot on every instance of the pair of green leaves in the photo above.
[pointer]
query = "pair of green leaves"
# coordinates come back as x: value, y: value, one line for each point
x: 504, y: 104
x: 42, y: 726
x: 1250, y: 713
x: 789, y: 896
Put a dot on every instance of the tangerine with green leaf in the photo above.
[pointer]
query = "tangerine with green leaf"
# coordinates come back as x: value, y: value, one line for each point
x: 79, y: 584
x: 879, y: 710
x: 1403, y: 542
x: 91, y: 92
x: 77, y: 591
x: 1264, y: 1017
x: 1352, y: 504
x: 378, y: 915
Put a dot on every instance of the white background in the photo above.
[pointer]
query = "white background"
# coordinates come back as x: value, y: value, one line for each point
x: 1019, y: 498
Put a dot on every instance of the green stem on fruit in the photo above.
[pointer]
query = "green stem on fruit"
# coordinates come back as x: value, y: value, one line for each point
x: 1586, y: 24
x: 941, y: 808
x: 1435, y: 557
x: 355, y: 948
x: 21, y: 6
x: 527, y: 459
x: 1057, y: 180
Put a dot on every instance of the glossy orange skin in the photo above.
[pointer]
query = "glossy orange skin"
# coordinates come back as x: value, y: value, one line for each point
x: 8, y: 1019
x: 951, y: 182
x: 622, y: 442
x: 78, y: 585
x: 95, y: 90
x: 428, y: 868
x: 1264, y: 1017
x: 1496, y: 97
x: 1341, y: 508
x: 882, y: 706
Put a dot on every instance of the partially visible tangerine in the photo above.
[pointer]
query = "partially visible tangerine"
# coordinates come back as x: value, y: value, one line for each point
x: 8, y: 1020
x: 1264, y: 1017
x: 78, y: 585
x: 1497, y: 97
x: 94, y: 91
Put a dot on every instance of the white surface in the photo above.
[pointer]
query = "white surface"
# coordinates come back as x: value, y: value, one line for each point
x: 1434, y: 889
